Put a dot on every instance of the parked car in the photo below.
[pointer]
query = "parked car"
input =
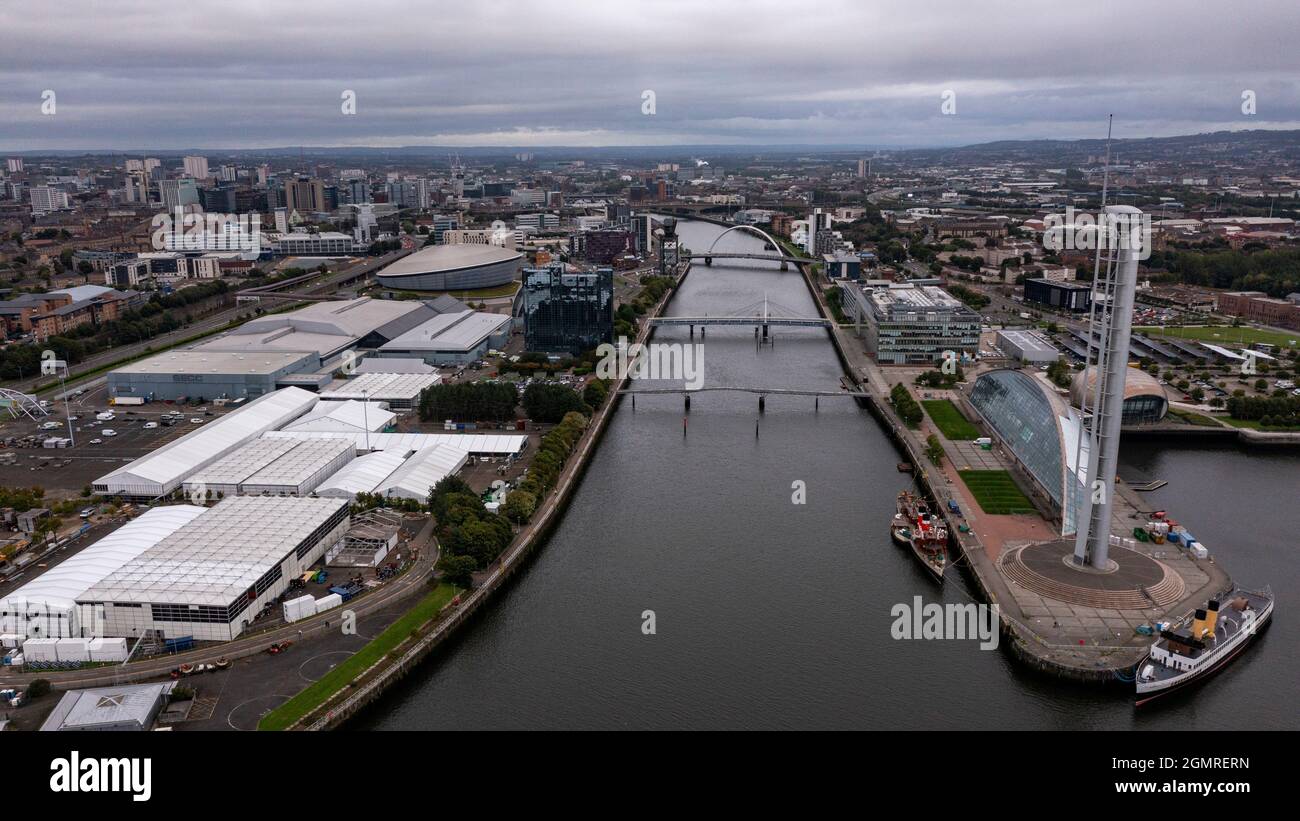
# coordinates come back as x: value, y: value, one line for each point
x: 150, y: 425
x: 195, y: 420
x: 108, y: 432
x: 96, y: 441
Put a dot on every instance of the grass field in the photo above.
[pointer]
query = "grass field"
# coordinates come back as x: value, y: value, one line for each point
x: 1218, y: 334
x: 949, y: 420
x: 996, y: 492
x: 318, y: 693
x: 1193, y: 418
x: 1254, y: 424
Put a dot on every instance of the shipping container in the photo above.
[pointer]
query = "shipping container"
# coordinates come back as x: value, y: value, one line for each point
x: 327, y: 602
x: 73, y: 650
x: 114, y: 650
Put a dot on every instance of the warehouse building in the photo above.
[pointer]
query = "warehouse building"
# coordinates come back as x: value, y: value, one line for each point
x: 451, y: 338
x: 1029, y: 347
x: 453, y: 268
x: 400, y: 391
x: 478, y: 445
x: 362, y: 475
x: 165, y: 469
x: 202, y: 375
x: 415, y: 478
x: 271, y: 467
x: 215, y: 575
x: 121, y: 707
x: 46, y: 606
x: 369, y: 540
x: 348, y: 416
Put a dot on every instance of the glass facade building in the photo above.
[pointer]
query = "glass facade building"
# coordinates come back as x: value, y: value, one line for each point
x: 566, y: 312
x: 1038, y: 429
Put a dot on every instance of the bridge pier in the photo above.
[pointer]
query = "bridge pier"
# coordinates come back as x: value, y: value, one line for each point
x: 692, y: 332
x: 708, y: 260
x: 762, y: 403
x: 688, y: 403
x: 785, y: 266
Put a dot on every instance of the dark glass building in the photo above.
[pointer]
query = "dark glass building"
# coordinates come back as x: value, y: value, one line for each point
x: 566, y: 312
x: 1071, y: 296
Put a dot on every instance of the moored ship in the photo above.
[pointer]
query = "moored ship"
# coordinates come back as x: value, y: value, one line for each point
x: 925, y: 533
x: 1218, y: 633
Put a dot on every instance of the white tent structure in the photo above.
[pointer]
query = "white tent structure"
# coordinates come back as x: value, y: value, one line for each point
x: 275, y: 467
x: 362, y: 475
x: 399, y: 390
x: 476, y: 444
x: 46, y: 606
x: 418, y: 474
x: 347, y: 416
x: 163, y: 470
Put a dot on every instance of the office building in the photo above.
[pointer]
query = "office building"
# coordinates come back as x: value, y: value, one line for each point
x: 1068, y: 296
x: 46, y: 200
x: 566, y: 312
x: 906, y: 324
x: 196, y: 167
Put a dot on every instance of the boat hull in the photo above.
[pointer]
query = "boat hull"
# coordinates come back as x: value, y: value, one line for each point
x: 1150, y: 691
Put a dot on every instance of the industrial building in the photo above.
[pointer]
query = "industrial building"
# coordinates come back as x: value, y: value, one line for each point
x: 479, y: 445
x: 202, y: 375
x: 400, y: 391
x: 566, y: 312
x: 1029, y: 347
x: 271, y: 467
x: 46, y: 606
x: 1068, y: 296
x: 415, y: 477
x: 452, y: 338
x: 908, y: 324
x: 165, y: 469
x: 121, y: 707
x: 452, y: 267
x: 347, y: 416
x: 295, y: 349
x: 362, y: 475
x: 372, y: 536
x: 212, y: 577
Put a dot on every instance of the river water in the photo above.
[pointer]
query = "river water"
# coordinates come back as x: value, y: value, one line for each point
x: 770, y: 614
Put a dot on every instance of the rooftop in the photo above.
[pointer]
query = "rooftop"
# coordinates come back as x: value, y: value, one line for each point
x: 442, y: 258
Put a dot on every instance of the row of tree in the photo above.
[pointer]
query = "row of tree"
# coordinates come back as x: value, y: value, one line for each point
x: 1270, y: 410
x: 907, y: 408
x: 476, y: 401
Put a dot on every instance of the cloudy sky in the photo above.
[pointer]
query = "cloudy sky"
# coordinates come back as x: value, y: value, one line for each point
x: 261, y: 73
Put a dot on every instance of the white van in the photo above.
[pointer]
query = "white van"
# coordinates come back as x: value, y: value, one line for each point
x: 105, y: 416
x: 108, y: 432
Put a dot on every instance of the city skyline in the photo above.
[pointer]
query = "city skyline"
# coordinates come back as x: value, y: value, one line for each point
x: 510, y: 75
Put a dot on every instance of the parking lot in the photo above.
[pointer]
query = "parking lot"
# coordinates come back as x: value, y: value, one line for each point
x: 65, y: 471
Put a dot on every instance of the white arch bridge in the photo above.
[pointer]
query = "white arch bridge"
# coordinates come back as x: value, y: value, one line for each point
x: 711, y: 254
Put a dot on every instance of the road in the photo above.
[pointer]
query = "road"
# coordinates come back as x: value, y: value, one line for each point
x: 206, y: 325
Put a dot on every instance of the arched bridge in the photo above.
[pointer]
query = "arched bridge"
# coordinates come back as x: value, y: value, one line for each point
x: 778, y: 256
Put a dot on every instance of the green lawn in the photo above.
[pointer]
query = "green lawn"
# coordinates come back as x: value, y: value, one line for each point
x: 1254, y: 424
x: 1218, y: 334
x: 996, y: 492
x: 949, y: 420
x: 1193, y: 418
x: 318, y: 693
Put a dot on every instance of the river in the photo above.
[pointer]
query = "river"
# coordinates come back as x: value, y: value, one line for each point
x: 770, y: 614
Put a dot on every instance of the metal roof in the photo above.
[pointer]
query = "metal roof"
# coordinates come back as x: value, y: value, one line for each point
x: 477, y: 444
x: 383, y: 386
x: 218, y: 556
x: 60, y: 586
x: 442, y: 258
x: 346, y: 416
x: 418, y: 474
x: 163, y: 470
x: 108, y: 706
x: 363, y: 474
x: 449, y: 332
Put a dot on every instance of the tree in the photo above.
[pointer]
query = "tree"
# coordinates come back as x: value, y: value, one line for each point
x: 457, y: 569
x: 934, y: 449
x: 38, y: 688
x: 519, y: 506
x: 439, y: 494
x: 549, y: 403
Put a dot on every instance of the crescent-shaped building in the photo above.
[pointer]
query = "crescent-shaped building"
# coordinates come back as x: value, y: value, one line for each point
x: 453, y: 268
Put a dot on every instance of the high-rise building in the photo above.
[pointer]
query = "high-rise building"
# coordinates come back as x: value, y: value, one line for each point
x: 566, y: 312
x: 864, y: 168
x: 229, y: 173
x: 818, y: 221
x: 196, y: 167
x: 46, y: 199
x: 304, y: 194
x: 15, y: 165
x: 178, y: 193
